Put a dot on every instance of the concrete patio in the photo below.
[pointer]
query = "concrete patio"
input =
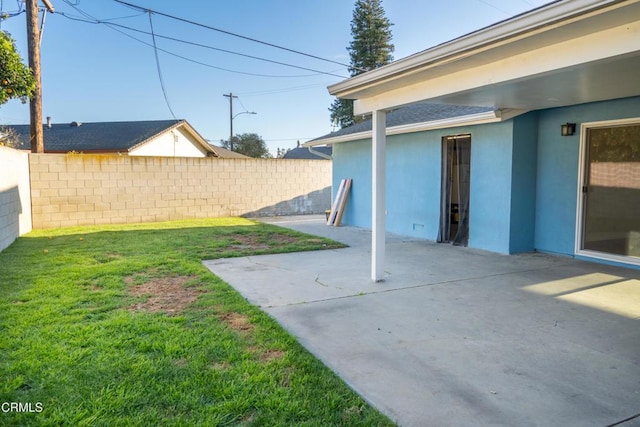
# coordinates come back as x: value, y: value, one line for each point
x: 456, y: 336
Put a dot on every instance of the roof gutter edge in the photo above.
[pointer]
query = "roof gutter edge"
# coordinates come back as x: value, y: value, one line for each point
x: 318, y: 153
x: 469, y: 120
x: 528, y: 22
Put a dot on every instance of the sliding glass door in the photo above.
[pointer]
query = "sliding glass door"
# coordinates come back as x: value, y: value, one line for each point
x: 611, y: 190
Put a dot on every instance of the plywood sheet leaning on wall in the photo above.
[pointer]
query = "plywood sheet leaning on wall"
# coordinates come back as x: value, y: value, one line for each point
x: 334, y: 205
x: 337, y: 208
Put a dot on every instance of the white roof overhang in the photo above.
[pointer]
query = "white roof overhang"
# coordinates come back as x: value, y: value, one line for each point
x: 468, y: 120
x: 568, y: 52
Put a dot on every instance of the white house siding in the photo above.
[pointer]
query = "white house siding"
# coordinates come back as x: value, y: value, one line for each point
x: 15, y: 196
x: 175, y: 143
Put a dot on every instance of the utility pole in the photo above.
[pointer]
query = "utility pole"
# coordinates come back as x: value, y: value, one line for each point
x: 230, y: 96
x: 35, y: 103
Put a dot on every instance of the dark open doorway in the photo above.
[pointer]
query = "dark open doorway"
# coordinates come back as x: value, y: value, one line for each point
x: 454, y: 199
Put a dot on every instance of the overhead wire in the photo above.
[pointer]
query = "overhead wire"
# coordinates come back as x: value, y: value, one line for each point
x: 493, y: 6
x: 154, y: 35
x: 112, y: 26
x: 282, y: 90
x: 155, y: 51
x: 289, y: 139
x: 7, y: 15
x: 124, y: 17
x: 229, y: 51
x: 240, y: 101
x: 235, y: 34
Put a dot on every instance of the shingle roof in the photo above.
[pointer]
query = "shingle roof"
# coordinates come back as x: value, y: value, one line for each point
x: 227, y: 154
x: 304, y: 153
x: 95, y: 137
x: 411, y: 114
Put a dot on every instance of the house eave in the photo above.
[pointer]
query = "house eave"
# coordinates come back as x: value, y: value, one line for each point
x: 497, y: 35
x: 468, y: 120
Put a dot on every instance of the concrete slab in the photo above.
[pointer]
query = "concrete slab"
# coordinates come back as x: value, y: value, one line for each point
x: 456, y: 336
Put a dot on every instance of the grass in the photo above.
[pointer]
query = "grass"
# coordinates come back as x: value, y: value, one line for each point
x: 123, y: 325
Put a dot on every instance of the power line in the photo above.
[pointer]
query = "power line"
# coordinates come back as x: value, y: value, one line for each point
x: 228, y: 51
x: 282, y: 90
x: 240, y: 101
x: 236, y: 35
x: 208, y: 65
x: 155, y: 51
x: 493, y: 6
x: 288, y: 139
x: 111, y: 26
x: 4, y: 16
x: 124, y: 17
x: 271, y: 140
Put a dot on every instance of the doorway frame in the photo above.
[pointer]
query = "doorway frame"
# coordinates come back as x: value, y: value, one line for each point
x: 580, y: 205
x: 444, y: 174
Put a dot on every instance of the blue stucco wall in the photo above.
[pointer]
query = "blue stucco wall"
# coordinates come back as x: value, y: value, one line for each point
x: 524, y: 179
x: 523, y: 183
x: 353, y: 160
x: 413, y: 183
x: 558, y: 169
x: 491, y: 157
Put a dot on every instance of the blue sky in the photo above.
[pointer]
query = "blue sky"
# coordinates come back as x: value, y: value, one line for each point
x: 91, y: 72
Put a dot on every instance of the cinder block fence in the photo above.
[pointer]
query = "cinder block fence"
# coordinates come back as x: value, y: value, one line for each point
x: 69, y: 190
x: 81, y: 189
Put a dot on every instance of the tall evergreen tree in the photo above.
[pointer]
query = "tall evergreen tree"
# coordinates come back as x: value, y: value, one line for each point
x: 370, y: 48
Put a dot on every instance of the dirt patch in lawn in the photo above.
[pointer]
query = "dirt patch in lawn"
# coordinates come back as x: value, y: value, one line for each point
x: 266, y: 355
x: 165, y: 294
x: 220, y: 366
x: 181, y: 363
x: 250, y: 241
x: 237, y: 322
x: 269, y: 355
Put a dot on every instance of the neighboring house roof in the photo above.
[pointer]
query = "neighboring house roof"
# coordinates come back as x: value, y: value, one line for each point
x: 303, y: 153
x: 413, y: 118
x: 227, y: 154
x: 110, y: 137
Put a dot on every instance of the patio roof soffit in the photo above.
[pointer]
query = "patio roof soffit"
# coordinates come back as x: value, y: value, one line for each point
x: 564, y: 53
x: 469, y: 120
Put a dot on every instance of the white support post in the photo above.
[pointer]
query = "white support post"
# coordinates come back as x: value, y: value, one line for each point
x: 378, y: 166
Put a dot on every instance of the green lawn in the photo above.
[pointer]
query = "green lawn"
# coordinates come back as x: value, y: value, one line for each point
x: 123, y: 325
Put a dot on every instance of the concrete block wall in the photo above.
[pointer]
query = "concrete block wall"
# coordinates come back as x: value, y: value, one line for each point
x: 15, y: 198
x: 84, y: 189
